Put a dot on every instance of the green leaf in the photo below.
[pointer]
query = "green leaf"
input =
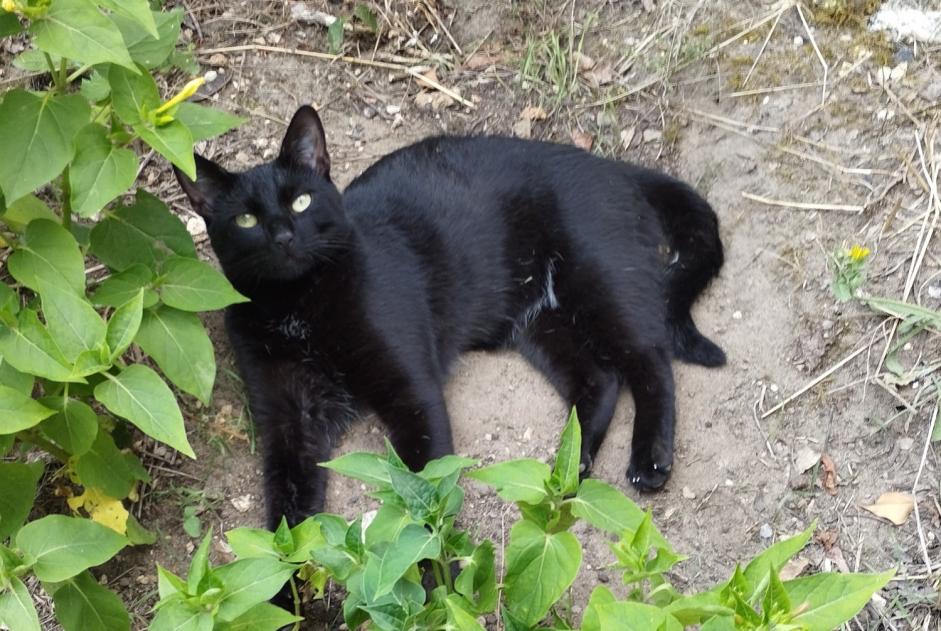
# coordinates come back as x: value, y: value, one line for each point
x: 177, y: 341
x: 307, y: 537
x: 261, y: 617
x: 521, y: 480
x: 630, y: 616
x: 206, y: 122
x: 73, y: 427
x: 145, y: 233
x: 459, y: 617
x: 133, y: 94
x: 179, y: 616
x: 124, y: 325
x: 18, y: 481
x: 19, y: 411
x: 365, y: 15
x: 251, y: 543
x: 191, y: 285
x: 84, y: 605
x: 477, y: 582
x: 445, y: 466
x: 138, y: 394
x: 77, y: 30
x: 387, y: 524
x: 9, y: 25
x: 30, y: 349
x: 368, y: 467
x: 249, y: 582
x: 568, y: 459
x: 16, y: 607
x: 13, y: 378
x: 199, y: 566
x: 95, y: 87
x: 34, y: 60
x: 169, y: 584
x: 606, y: 508
x: 539, y: 568
x: 137, y: 11
x: 419, y: 495
x: 123, y: 286
x: 826, y: 601
x: 73, y: 323
x: 173, y: 141
x: 39, y: 132
x: 773, y: 559
x: 18, y: 215
x: 145, y: 49
x: 100, y: 170
x: 335, y: 36
x: 776, y: 604
x: 137, y: 535
x: 64, y: 546
x: 49, y: 256
x: 414, y: 543
x: 106, y: 467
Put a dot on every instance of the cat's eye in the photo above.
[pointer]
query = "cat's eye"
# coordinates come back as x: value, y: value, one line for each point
x: 300, y: 203
x: 246, y: 220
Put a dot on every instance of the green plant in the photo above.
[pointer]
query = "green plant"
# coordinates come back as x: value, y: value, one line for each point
x: 849, y: 271
x: 552, y: 60
x: 408, y: 565
x: 69, y: 384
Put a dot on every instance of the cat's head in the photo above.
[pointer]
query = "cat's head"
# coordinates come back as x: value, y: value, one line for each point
x: 275, y: 222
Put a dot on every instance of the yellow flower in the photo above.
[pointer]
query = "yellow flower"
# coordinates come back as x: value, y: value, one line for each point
x: 8, y: 5
x: 188, y: 90
x: 858, y: 253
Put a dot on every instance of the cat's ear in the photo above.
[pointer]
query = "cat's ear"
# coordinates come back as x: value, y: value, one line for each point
x: 211, y: 179
x: 304, y: 143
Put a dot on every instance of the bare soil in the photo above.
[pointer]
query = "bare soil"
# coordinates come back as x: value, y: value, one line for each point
x: 737, y: 485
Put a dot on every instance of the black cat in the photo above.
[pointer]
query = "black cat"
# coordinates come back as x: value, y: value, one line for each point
x: 362, y: 300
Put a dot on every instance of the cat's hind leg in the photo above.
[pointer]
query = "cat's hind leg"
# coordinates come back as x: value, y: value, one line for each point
x: 551, y: 344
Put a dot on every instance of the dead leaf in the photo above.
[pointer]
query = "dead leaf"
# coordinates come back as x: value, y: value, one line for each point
x: 523, y: 128
x: 431, y: 76
x: 582, y: 140
x: 482, y: 59
x: 434, y: 100
x: 584, y: 62
x: 534, y: 113
x: 835, y: 554
x: 828, y: 479
x: 894, y: 506
x: 600, y: 75
x: 105, y: 510
x: 826, y: 538
x: 627, y: 137
x: 806, y: 458
x: 793, y: 568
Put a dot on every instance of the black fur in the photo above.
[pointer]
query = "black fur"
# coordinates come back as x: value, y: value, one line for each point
x: 587, y: 266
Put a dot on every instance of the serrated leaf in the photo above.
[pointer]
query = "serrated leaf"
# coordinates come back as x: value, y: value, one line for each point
x: 30, y: 349
x: 539, y: 568
x: 18, y: 481
x: 249, y: 582
x: 19, y: 411
x: 124, y: 324
x: 100, y: 171
x: 64, y: 546
x: 48, y: 256
x: 39, y: 132
x: 123, y: 286
x: 145, y: 49
x: 133, y: 94
x: 73, y: 427
x: 77, y: 30
x: 84, y: 605
x: 173, y: 141
x: 825, y: 601
x: 138, y: 394
x: 192, y: 285
x: 144, y: 233
x: 177, y: 341
x: 16, y: 607
x: 521, y: 480
x: 206, y: 122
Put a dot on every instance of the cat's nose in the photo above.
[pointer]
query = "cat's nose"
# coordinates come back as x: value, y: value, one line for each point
x: 284, y: 237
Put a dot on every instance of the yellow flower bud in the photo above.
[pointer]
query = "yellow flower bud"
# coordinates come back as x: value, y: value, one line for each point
x: 188, y: 90
x: 859, y: 253
x: 8, y: 5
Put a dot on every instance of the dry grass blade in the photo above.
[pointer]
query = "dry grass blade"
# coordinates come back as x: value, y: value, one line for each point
x: 832, y: 369
x: 803, y: 205
x: 823, y: 62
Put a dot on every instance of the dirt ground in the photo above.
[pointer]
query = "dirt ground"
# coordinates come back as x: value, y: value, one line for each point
x: 811, y: 149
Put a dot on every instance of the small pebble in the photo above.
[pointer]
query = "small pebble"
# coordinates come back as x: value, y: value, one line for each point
x: 210, y: 76
x: 798, y: 41
x: 488, y: 436
x: 934, y: 291
x: 369, y: 112
x: 393, y: 109
x: 737, y: 315
x: 242, y: 503
x: 688, y: 493
x: 528, y: 434
x: 905, y: 444
x: 765, y: 532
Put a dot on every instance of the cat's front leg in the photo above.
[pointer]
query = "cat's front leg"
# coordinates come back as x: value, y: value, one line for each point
x: 650, y: 377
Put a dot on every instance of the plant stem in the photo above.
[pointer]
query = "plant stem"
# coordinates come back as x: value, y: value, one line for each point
x: 63, y: 81
x: 436, y: 566
x: 34, y: 438
x: 297, y: 604
x: 66, y: 200
x: 52, y: 70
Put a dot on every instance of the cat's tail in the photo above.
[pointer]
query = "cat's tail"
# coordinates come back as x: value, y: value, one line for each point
x: 694, y: 259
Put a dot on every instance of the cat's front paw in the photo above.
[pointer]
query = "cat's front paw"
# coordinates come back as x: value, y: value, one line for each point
x: 649, y: 470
